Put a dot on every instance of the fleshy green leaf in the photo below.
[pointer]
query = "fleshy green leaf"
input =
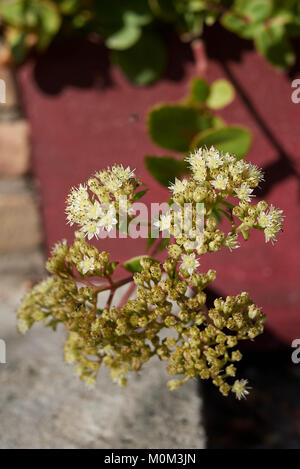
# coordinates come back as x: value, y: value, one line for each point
x: 40, y: 16
x: 112, y: 14
x: 68, y: 7
x: 49, y: 21
x: 17, y: 42
x: 140, y: 194
x: 124, y: 38
x: 162, y: 245
x: 164, y: 9
x: 112, y: 266
x: 134, y: 265
x: 235, y: 140
x: 218, y: 122
x: 221, y: 94
x: 240, y: 25
x: 174, y: 126
x: 274, y: 45
x: 17, y: 12
x: 199, y: 90
x: 150, y: 241
x: 165, y: 169
x: 216, y: 215
x: 145, y: 62
x: 254, y: 10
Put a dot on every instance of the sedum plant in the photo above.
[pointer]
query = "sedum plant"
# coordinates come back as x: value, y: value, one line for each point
x: 167, y: 317
x: 131, y: 29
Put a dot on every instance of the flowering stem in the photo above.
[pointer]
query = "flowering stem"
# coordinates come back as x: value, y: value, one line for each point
x: 132, y: 287
x: 113, y: 286
x: 109, y: 301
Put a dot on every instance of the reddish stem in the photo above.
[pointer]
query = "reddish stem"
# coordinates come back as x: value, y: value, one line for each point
x: 200, y: 57
x: 127, y: 294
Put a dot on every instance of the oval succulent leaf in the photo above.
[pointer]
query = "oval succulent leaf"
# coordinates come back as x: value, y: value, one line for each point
x: 235, y: 140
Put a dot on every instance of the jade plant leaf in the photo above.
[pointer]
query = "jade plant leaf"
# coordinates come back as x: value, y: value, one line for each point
x: 145, y: 62
x: 233, y: 139
x: 174, y: 126
x: 221, y: 94
x: 165, y: 169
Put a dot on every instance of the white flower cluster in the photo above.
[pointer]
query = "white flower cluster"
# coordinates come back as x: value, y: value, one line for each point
x: 113, y: 191
x: 227, y: 175
x: 271, y: 221
x: 215, y: 177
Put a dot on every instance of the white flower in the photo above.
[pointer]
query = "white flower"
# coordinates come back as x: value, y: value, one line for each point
x: 255, y: 173
x: 81, y: 192
x: 189, y: 245
x: 213, y: 158
x: 113, y: 184
x: 164, y: 223
x: 189, y: 263
x: 196, y: 159
x: 237, y: 168
x: 95, y: 211
x: 108, y: 219
x: 77, y: 205
x: 253, y: 311
x: 220, y: 182
x: 276, y: 215
x: 244, y: 192
x: 240, y: 388
x: 23, y: 326
x: 91, y: 229
x: 178, y: 187
x: 271, y: 222
x: 121, y: 173
x: 200, y: 172
x: 231, y: 242
x: 228, y: 158
x: 87, y: 264
x: 263, y: 220
x: 114, y: 178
